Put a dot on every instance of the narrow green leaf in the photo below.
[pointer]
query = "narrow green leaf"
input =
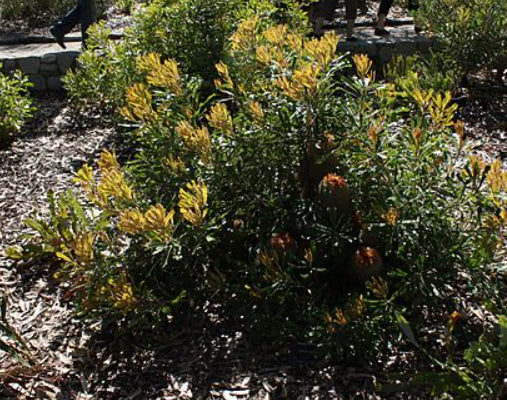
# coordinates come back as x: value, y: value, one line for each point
x: 405, y: 328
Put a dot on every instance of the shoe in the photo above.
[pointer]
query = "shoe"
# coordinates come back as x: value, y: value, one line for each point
x: 381, y: 32
x: 58, y: 36
x: 417, y: 29
x: 351, y: 39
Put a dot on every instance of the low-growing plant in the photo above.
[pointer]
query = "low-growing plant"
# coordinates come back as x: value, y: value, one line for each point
x: 436, y: 71
x: 15, y: 106
x: 477, y: 373
x: 472, y: 32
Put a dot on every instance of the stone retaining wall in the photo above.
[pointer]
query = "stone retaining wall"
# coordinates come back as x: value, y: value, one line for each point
x: 46, y: 64
x: 44, y: 71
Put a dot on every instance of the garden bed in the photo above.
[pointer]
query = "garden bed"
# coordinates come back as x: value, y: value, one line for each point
x: 197, y: 361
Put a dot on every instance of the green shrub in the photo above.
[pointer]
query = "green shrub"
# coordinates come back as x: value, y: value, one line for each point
x: 289, y: 188
x: 437, y: 72
x: 472, y: 32
x: 300, y: 202
x: 15, y: 106
x: 193, y: 32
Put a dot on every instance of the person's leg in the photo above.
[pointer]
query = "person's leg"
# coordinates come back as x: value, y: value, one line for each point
x: 69, y: 21
x: 65, y: 25
x: 351, y: 15
x: 363, y: 7
x: 320, y: 11
x: 86, y: 17
x: 384, y: 7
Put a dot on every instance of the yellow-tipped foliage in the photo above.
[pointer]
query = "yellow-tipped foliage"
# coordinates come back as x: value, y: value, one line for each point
x: 220, y: 119
x: 192, y: 202
x: 161, y: 74
x: 197, y: 140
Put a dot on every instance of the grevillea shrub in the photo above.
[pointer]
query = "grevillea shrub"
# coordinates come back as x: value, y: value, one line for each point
x: 15, y: 106
x: 300, y: 202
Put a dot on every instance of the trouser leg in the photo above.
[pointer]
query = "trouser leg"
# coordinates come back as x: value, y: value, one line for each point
x: 385, y: 6
x: 87, y: 16
x: 351, y: 9
x: 350, y: 15
x: 69, y: 21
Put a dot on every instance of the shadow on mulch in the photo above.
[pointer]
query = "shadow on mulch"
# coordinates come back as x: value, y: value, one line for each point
x: 208, y: 363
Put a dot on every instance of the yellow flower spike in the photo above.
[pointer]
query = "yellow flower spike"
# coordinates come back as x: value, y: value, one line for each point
x: 120, y: 293
x: 108, y: 162
x: 127, y: 114
x: 159, y: 220
x: 503, y: 216
x: 245, y: 35
x: 322, y: 50
x: 288, y: 88
x: 421, y: 97
x: 223, y: 72
x: 196, y: 139
x: 280, y: 60
x: 256, y: 110
x: 139, y: 101
x: 391, y: 216
x: 192, y: 202
x: 304, y: 82
x: 113, y: 184
x: 177, y: 165
x: 264, y: 54
x: 276, y: 34
x: 83, y: 247
x: 378, y: 287
x: 364, y: 66
x: 148, y: 62
x: 220, y: 119
x: 265, y: 258
x: 497, y: 178
x: 460, y: 130
x: 132, y: 222
x: 340, y: 317
x: 161, y: 74
x: 85, y: 178
x: 356, y: 308
x: 295, y: 42
x: 441, y: 111
x: 307, y: 76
